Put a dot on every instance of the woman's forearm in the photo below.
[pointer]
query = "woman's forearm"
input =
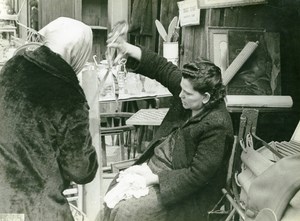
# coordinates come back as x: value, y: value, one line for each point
x: 133, y: 51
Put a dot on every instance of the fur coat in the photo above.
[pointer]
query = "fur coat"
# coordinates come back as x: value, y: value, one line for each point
x: 44, y: 136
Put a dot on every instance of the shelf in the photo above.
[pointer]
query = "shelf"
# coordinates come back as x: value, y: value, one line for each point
x: 94, y: 13
x: 97, y: 27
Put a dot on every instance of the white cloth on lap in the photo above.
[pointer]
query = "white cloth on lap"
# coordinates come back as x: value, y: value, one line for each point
x: 130, y: 184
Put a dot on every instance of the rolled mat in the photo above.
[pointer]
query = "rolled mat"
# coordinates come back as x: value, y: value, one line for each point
x: 259, y: 101
x: 238, y: 62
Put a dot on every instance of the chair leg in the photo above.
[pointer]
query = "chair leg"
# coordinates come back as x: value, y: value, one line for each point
x: 231, y: 214
x: 235, y: 205
x: 127, y: 137
x: 113, y: 142
x: 135, y: 142
x: 103, y: 151
x: 122, y: 146
x: 139, y: 139
x: 129, y: 143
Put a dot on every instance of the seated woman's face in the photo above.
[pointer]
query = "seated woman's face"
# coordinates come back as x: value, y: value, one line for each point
x: 190, y: 98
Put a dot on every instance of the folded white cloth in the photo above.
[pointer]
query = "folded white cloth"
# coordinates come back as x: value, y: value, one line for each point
x: 130, y: 184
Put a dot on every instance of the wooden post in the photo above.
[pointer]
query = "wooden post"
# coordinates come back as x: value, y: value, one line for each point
x: 92, y: 192
x: 117, y: 11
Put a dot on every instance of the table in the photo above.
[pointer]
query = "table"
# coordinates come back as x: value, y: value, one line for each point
x: 129, y: 103
x: 148, y: 117
x: 150, y: 91
x: 135, y: 97
x: 137, y: 87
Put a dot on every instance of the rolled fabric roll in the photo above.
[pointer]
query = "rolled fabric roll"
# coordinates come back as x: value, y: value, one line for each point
x: 259, y: 101
x: 238, y: 62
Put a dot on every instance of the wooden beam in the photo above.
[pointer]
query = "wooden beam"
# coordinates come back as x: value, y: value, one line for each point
x: 78, y: 9
x: 93, y: 196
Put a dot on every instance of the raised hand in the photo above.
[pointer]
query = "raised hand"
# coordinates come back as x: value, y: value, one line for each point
x: 116, y: 43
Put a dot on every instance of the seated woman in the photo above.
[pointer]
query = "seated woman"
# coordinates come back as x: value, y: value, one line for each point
x: 189, y: 154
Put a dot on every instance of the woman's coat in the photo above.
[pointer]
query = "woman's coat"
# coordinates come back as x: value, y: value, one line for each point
x: 44, y: 136
x: 201, y: 150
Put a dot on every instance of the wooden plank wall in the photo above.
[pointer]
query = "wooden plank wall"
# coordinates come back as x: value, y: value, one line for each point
x: 280, y: 16
x: 168, y: 9
x: 140, y: 39
x: 49, y: 10
x: 95, y: 12
x: 276, y: 16
x: 23, y: 17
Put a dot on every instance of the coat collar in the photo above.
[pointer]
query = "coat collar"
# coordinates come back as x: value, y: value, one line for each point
x: 55, y: 65
x: 198, y: 117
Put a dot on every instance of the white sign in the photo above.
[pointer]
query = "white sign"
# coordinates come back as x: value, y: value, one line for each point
x: 189, y: 12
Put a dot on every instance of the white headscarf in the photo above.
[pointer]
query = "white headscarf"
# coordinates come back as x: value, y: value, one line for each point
x: 69, y: 38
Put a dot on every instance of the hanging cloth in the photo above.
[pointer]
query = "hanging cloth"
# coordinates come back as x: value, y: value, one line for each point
x: 141, y: 18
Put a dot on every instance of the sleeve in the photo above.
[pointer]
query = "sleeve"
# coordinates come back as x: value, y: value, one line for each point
x: 207, y: 160
x: 156, y: 67
x: 77, y: 157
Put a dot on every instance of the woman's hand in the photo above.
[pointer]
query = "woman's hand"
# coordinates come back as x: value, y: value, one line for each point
x: 116, y: 40
x: 121, y: 46
x: 151, y: 179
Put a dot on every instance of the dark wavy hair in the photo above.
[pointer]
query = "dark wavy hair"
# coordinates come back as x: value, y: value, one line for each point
x: 205, y: 76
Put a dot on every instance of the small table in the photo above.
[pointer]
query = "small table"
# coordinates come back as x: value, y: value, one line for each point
x: 128, y: 102
x: 135, y: 97
x: 135, y: 89
x: 143, y: 119
x: 148, y: 117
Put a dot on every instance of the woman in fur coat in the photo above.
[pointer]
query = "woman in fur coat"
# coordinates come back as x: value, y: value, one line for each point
x: 44, y: 131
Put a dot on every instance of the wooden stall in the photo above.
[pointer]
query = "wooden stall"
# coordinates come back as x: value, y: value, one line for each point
x: 273, y: 25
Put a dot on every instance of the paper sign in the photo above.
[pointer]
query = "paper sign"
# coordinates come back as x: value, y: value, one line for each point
x: 189, y: 12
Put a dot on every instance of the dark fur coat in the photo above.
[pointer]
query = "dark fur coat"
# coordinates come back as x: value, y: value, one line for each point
x: 44, y: 136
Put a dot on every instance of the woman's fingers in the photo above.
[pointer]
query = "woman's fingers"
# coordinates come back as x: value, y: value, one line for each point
x: 121, y: 51
x: 112, y: 45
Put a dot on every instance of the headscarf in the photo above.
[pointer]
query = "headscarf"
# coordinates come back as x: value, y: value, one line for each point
x: 69, y: 38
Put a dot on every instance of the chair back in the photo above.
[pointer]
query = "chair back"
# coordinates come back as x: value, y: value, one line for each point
x: 114, y: 125
x: 115, y: 122
x: 74, y: 195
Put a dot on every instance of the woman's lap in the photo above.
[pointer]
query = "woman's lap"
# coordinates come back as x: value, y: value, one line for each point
x: 144, y: 208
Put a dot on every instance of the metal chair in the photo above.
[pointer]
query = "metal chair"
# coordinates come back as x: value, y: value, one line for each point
x: 248, y: 123
x: 114, y: 125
